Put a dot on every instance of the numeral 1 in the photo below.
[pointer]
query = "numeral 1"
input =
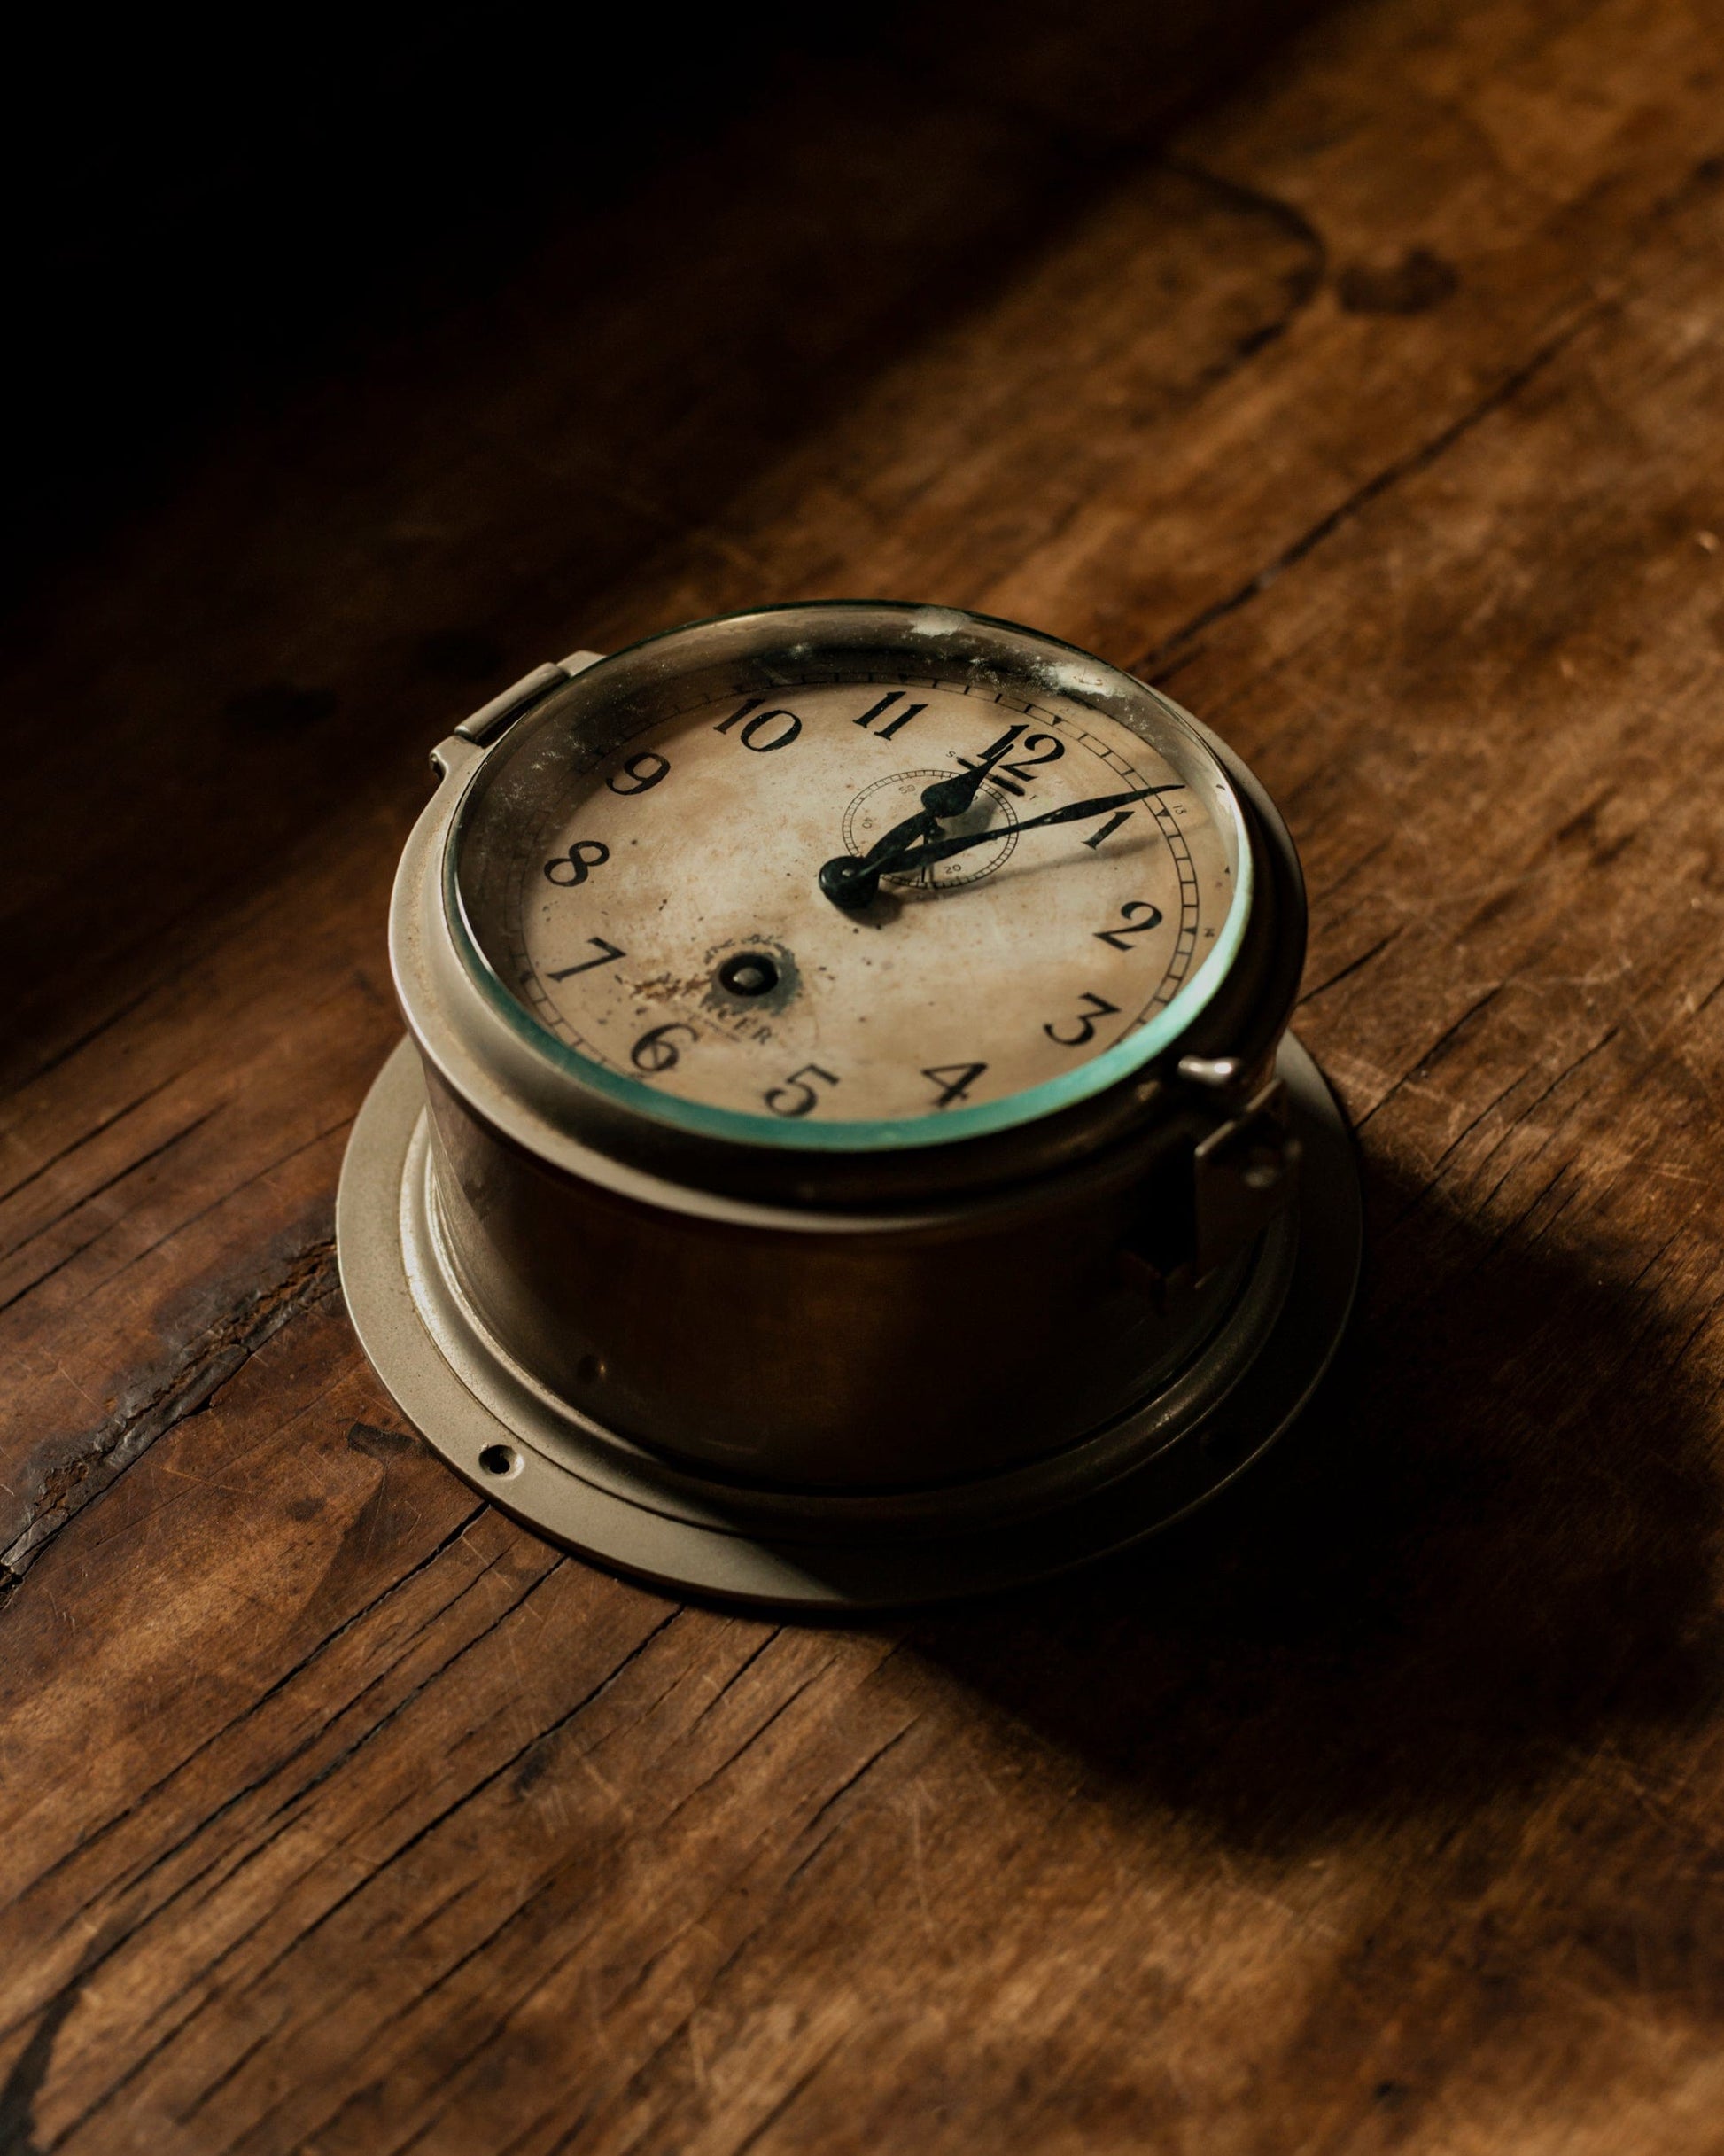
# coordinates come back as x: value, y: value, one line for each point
x: 1119, y: 816
x: 885, y: 733
x: 954, y: 1080
x: 606, y: 950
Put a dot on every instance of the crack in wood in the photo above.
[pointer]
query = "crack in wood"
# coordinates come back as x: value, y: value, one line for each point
x: 76, y: 1145
x: 121, y: 1441
x: 1410, y: 466
x: 88, y: 1197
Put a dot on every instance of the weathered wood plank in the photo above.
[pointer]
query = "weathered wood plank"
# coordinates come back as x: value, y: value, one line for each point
x: 1384, y: 1806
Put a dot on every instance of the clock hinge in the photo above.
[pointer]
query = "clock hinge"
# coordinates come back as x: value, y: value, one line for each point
x: 489, y: 720
x: 1243, y: 1174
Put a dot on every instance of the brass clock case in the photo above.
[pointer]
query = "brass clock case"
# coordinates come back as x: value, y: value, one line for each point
x: 841, y: 1375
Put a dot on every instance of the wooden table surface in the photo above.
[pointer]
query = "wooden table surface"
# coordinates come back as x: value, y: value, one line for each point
x: 1377, y: 409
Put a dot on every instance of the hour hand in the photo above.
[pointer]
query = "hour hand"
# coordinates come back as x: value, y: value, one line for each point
x: 852, y: 881
x: 951, y: 797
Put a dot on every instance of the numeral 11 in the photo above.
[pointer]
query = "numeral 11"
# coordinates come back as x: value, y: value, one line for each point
x: 885, y: 733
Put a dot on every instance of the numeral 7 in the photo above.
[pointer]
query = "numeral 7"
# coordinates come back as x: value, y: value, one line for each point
x: 606, y: 950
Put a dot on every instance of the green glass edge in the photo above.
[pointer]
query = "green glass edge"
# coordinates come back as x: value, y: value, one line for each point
x: 899, y: 1132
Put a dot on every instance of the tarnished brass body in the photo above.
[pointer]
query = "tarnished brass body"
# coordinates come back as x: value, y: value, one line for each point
x: 844, y: 1348
x: 825, y: 1350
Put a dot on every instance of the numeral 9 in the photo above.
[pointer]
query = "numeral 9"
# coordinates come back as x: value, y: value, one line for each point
x: 646, y: 770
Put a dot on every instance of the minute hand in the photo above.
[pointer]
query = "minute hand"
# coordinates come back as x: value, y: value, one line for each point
x: 1075, y: 811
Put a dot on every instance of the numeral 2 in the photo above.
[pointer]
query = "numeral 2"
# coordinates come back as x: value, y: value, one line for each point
x: 1094, y: 1006
x: 1152, y: 919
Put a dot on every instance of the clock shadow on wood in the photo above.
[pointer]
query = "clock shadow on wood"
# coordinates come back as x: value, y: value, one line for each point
x: 1490, y: 1540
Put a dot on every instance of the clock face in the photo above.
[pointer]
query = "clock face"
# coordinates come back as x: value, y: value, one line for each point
x: 878, y: 901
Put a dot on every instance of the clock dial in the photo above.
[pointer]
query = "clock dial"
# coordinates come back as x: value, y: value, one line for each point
x: 867, y: 897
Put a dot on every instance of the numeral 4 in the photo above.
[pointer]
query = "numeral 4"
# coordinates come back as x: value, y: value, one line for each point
x: 954, y: 1080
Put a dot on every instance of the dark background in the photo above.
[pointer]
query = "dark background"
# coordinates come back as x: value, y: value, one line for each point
x: 207, y: 212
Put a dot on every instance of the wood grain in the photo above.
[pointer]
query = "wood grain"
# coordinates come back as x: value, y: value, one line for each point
x: 1374, y: 411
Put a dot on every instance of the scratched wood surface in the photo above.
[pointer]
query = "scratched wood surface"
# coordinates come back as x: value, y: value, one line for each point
x: 1375, y: 408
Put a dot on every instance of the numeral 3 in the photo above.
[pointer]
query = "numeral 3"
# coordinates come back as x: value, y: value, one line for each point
x: 1094, y: 1006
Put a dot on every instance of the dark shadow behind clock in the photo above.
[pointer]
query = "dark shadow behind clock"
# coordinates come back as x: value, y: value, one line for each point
x: 204, y: 210
x: 611, y: 268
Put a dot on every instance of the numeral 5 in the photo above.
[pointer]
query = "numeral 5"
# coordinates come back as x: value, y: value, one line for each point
x: 795, y: 1097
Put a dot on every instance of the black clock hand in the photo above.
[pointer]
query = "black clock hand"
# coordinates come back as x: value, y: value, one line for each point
x: 918, y: 856
x: 851, y: 880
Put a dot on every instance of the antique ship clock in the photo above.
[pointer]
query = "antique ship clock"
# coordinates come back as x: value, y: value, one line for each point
x: 847, y: 1151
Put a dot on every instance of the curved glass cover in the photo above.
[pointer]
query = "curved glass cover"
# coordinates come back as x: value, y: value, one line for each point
x: 849, y: 875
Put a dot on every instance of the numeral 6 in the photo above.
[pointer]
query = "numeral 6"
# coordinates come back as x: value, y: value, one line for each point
x: 656, y: 1051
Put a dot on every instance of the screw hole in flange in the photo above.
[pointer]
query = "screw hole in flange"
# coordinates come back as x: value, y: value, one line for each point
x: 500, y: 1460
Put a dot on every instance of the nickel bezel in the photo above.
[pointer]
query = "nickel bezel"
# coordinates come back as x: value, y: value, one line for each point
x: 762, y: 648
